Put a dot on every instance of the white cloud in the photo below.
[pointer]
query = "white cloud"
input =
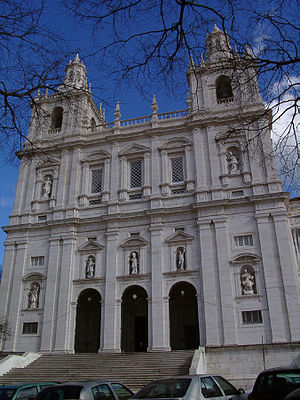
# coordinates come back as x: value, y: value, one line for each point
x: 6, y: 201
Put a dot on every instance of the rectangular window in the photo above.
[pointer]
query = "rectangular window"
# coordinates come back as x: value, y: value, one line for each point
x: 136, y: 174
x: 177, y: 169
x: 243, y: 241
x: 30, y: 328
x: 37, y: 261
x: 97, y: 180
x: 252, y: 317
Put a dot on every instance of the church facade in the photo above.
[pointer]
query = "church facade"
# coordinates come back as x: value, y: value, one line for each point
x: 160, y: 233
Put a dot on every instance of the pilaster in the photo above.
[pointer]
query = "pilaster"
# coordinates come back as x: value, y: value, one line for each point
x: 111, y: 340
x: 212, y: 305
x: 226, y: 290
x: 273, y: 281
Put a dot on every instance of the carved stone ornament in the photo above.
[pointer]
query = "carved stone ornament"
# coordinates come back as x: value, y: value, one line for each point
x: 134, y: 263
x: 34, y: 296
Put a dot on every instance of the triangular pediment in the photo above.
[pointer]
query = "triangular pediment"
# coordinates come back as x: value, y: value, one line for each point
x: 34, y: 276
x: 47, y: 162
x: 179, y: 237
x: 134, y: 242
x: 134, y: 149
x: 91, y: 246
x: 176, y: 143
x: 100, y: 155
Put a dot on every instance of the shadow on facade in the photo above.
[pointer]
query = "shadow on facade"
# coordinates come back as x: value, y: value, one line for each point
x: 134, y: 314
x: 88, y: 319
x: 184, y: 327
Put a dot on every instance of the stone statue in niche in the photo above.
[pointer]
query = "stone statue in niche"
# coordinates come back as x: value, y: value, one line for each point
x: 34, y: 296
x: 233, y: 163
x: 47, y: 187
x: 180, y: 258
x: 247, y: 282
x: 90, y: 267
x: 133, y: 263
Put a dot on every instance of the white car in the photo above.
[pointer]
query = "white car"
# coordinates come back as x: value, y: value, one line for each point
x: 191, y: 387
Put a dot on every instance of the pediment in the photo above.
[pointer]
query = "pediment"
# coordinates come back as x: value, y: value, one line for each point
x: 134, y: 242
x: 90, y: 247
x: 34, y: 276
x: 134, y: 149
x: 246, y: 258
x: 47, y: 162
x: 179, y: 237
x: 100, y: 155
x: 176, y: 143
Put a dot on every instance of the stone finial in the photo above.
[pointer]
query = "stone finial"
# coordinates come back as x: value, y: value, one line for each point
x: 76, y: 59
x: 117, y: 112
x: 38, y: 94
x: 202, y: 62
x: 248, y: 51
x: 154, y: 105
x: 192, y: 64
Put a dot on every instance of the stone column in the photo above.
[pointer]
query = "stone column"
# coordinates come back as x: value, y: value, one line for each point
x: 226, y: 295
x: 51, y: 296
x: 64, y: 295
x: 189, y: 171
x: 111, y: 340
x: 74, y: 180
x: 62, y: 179
x: 17, y: 296
x: 84, y: 192
x: 212, y: 304
x: 146, y: 185
x: 273, y: 282
x: 21, y: 186
x: 106, y: 174
x: 288, y: 266
x: 159, y: 340
x: 7, y: 280
x: 200, y: 154
x: 29, y: 190
x: 124, y: 185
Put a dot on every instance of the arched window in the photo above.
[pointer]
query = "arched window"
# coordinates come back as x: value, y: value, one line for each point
x: 57, y: 118
x: 223, y: 88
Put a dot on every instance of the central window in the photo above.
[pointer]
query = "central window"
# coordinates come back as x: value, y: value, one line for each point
x: 97, y: 180
x: 136, y: 174
x: 177, y: 174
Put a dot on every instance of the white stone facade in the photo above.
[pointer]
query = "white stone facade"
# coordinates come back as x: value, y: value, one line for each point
x: 138, y: 209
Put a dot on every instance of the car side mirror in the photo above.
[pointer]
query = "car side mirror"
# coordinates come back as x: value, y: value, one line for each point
x: 241, y: 391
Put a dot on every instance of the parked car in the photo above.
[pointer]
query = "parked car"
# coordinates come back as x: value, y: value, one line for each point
x: 191, y: 387
x: 23, y: 391
x: 92, y: 390
x: 275, y: 384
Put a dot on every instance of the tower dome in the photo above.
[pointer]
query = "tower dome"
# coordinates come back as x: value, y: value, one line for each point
x: 217, y: 46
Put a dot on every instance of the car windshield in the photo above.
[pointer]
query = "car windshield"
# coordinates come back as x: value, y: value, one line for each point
x: 170, y: 388
x: 278, y: 381
x: 6, y: 394
x: 60, y: 393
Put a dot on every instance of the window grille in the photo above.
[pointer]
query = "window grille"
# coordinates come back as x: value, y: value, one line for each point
x: 135, y: 196
x: 136, y: 173
x: 252, y: 317
x: 37, y: 261
x: 178, y: 191
x: 97, y: 180
x: 95, y: 202
x: 30, y: 328
x: 244, y: 240
x: 177, y: 169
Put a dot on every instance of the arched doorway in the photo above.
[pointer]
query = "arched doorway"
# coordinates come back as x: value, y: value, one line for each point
x: 134, y: 312
x: 88, y: 319
x: 183, y: 308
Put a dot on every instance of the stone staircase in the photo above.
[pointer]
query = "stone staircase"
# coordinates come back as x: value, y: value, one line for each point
x: 132, y: 369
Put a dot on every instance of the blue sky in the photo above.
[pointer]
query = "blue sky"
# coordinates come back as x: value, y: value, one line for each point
x: 132, y: 102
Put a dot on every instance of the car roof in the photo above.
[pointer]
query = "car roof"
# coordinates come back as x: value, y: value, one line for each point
x: 20, y: 384
x: 84, y: 383
x: 280, y: 369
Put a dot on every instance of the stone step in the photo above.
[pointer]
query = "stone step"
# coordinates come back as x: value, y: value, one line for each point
x: 133, y: 369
